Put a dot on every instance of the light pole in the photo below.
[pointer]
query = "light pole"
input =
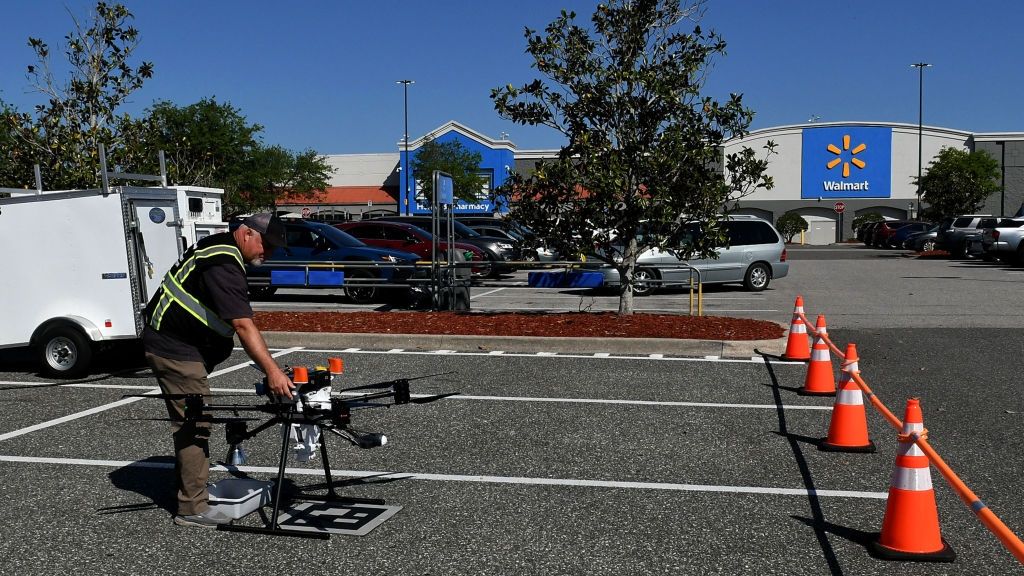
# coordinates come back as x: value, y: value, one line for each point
x: 920, y: 124
x: 405, y: 139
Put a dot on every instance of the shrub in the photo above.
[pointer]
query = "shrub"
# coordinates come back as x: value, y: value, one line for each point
x: 790, y: 224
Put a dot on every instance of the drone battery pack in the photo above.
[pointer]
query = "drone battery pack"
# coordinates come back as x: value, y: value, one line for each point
x: 236, y: 497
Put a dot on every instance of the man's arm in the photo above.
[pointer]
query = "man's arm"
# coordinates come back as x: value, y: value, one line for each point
x: 256, y: 348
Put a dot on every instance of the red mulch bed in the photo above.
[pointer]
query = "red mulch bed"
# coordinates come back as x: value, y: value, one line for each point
x: 573, y: 325
x: 933, y: 254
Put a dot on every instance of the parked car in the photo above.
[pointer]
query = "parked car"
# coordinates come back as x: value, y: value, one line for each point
x: 922, y: 241
x: 755, y: 256
x: 903, y: 232
x: 867, y: 231
x: 883, y: 232
x: 532, y: 246
x: 861, y: 231
x: 1003, y: 241
x: 498, y: 250
x: 322, y: 245
x: 953, y: 232
x: 539, y: 254
x: 404, y: 236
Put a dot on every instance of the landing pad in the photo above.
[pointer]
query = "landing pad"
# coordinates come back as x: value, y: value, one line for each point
x: 335, y: 518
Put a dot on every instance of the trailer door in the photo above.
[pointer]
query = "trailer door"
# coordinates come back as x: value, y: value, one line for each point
x: 154, y: 238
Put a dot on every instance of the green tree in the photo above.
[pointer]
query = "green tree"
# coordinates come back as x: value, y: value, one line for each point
x: 958, y: 182
x: 271, y: 173
x: 455, y: 159
x: 644, y: 146
x: 210, y: 143
x: 80, y: 112
x: 866, y: 219
x: 15, y: 170
x: 790, y: 224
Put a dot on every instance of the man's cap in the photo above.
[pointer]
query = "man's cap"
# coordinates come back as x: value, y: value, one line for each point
x: 269, y: 226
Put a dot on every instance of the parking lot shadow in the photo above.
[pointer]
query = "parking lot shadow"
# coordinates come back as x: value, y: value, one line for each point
x: 151, y: 478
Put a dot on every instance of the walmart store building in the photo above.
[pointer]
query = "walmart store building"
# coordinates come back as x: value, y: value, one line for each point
x: 859, y: 167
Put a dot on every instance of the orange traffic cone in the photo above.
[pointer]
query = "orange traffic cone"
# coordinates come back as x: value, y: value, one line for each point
x: 848, y: 430
x: 821, y: 380
x: 797, y: 347
x: 910, y: 529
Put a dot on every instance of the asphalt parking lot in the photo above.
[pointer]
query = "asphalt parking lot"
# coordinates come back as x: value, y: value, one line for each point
x: 599, y: 462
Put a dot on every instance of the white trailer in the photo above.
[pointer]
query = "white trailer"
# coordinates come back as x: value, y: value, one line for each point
x: 78, y: 268
x: 200, y: 210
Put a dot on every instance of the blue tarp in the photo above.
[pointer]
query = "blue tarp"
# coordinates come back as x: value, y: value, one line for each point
x: 299, y: 278
x: 562, y: 279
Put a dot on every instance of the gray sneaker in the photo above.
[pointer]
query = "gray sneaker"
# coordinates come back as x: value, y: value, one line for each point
x: 200, y: 521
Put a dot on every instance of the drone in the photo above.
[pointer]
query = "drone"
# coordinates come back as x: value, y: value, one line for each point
x: 307, y: 417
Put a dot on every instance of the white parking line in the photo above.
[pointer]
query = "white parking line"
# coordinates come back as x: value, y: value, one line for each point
x: 521, y: 480
x: 666, y: 403
x: 485, y: 293
x: 657, y: 357
x: 121, y: 402
x: 557, y: 400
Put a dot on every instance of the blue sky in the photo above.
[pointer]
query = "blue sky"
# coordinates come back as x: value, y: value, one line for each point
x: 321, y: 74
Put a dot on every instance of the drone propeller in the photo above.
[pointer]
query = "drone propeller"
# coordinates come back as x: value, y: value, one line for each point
x: 391, y: 383
x: 164, y: 396
x: 434, y: 398
x: 201, y: 418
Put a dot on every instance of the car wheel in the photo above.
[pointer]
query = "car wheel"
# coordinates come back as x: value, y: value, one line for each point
x: 1019, y: 256
x: 64, y: 352
x: 758, y: 277
x: 928, y: 245
x: 261, y: 292
x: 360, y: 294
x: 641, y: 281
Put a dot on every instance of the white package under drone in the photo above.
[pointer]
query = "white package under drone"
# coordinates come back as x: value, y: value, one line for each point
x: 306, y: 437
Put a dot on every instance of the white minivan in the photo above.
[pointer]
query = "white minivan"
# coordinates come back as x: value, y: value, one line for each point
x: 755, y: 256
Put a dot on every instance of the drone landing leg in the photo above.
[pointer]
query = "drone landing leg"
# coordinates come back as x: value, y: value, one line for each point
x: 332, y: 494
x: 272, y: 527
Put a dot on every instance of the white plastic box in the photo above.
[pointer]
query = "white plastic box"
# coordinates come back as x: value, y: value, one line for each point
x: 236, y: 497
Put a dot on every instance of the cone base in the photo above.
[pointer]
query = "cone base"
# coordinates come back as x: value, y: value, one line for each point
x: 946, y: 554
x: 806, y: 392
x: 791, y: 359
x: 825, y: 446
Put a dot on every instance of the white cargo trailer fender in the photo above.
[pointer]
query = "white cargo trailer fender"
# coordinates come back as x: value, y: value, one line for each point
x: 91, y: 330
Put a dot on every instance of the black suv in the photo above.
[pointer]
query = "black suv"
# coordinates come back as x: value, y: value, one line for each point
x: 955, y: 234
x: 498, y: 250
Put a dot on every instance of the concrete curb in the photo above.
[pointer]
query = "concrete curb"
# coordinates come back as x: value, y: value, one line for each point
x: 461, y: 343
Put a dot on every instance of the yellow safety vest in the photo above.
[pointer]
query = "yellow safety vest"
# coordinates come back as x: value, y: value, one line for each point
x: 172, y: 289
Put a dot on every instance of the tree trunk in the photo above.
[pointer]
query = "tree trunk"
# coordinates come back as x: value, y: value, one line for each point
x: 626, y: 279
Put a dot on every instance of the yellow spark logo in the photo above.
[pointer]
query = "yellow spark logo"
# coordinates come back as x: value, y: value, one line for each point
x: 846, y: 165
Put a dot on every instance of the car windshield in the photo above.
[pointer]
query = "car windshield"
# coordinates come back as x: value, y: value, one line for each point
x: 337, y: 236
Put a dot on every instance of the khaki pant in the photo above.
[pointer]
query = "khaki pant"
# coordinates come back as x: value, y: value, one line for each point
x: 191, y: 439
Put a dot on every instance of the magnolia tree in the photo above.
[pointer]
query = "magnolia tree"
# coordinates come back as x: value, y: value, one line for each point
x: 644, y: 150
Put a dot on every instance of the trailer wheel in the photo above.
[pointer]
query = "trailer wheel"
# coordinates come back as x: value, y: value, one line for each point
x: 64, y: 352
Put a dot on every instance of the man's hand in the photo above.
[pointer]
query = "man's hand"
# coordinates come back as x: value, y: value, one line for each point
x: 280, y: 384
x: 256, y: 348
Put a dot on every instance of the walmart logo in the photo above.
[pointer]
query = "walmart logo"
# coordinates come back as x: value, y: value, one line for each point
x: 860, y: 164
x: 846, y: 161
